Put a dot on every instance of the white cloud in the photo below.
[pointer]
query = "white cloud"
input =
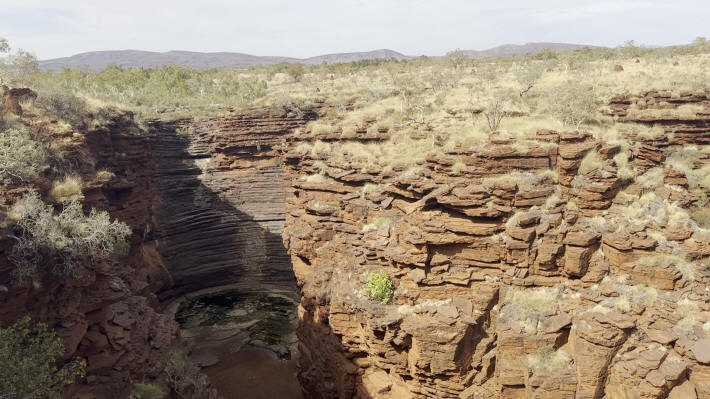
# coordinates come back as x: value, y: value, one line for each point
x: 54, y: 28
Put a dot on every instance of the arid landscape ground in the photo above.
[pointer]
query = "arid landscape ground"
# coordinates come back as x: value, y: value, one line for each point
x: 505, y: 224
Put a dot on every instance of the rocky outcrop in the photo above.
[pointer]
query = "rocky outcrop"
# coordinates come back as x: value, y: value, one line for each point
x: 519, y: 277
x: 106, y: 313
x: 12, y: 98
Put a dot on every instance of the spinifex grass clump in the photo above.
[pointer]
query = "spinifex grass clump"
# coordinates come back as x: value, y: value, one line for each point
x: 379, y: 287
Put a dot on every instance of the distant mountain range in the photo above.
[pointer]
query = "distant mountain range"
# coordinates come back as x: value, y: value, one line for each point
x: 522, y: 49
x: 99, y: 60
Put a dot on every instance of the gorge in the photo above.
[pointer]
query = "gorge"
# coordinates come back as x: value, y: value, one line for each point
x: 540, y: 270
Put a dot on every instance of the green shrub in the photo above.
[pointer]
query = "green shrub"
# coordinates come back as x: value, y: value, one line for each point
x: 63, y: 106
x: 376, y: 224
x: 28, y: 356
x: 379, y: 287
x: 146, y: 390
x: 21, y: 157
x: 65, y: 240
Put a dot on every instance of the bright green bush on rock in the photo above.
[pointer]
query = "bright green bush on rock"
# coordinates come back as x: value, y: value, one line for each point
x: 379, y: 287
x: 28, y: 355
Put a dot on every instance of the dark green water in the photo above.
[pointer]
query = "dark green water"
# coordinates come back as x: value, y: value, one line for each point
x: 270, y: 318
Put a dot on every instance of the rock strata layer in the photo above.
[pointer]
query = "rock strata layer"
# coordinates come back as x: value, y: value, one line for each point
x: 518, y: 277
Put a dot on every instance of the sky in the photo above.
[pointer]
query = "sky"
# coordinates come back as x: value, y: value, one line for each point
x: 304, y: 28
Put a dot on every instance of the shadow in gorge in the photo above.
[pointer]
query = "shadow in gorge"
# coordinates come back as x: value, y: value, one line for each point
x: 205, y: 240
x: 230, y: 273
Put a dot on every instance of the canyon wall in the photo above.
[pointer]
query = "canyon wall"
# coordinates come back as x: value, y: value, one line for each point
x: 220, y: 201
x: 205, y: 201
x: 106, y: 313
x: 514, y: 277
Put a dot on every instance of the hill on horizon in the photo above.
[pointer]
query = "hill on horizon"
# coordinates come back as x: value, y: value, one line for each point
x: 523, y: 49
x: 99, y: 60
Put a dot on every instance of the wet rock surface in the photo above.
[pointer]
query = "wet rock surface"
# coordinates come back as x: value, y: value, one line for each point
x: 242, y: 340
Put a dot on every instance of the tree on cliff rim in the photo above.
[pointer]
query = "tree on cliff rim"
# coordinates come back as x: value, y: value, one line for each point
x: 14, y: 68
x: 28, y: 362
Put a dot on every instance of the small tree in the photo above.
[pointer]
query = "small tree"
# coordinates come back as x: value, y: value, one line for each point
x: 16, y: 66
x: 28, y: 362
x: 528, y: 75
x: 457, y: 58
x: 295, y: 71
x: 498, y: 108
x: 379, y: 287
x: 4, y: 45
x: 572, y: 103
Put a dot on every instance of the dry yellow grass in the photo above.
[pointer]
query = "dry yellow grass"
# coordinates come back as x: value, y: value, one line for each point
x: 67, y: 189
x: 411, y: 100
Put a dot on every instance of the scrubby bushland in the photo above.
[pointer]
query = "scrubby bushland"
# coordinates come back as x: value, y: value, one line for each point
x: 64, y: 240
x: 151, y: 89
x: 63, y: 106
x: 21, y: 157
x: 28, y: 362
x: 379, y: 287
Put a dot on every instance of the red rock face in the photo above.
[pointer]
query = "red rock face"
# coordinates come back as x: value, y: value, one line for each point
x: 500, y: 293
x: 107, y: 313
x: 11, y: 99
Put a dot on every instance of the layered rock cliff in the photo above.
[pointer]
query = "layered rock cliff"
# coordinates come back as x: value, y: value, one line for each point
x: 517, y: 276
x: 220, y: 198
x: 106, y: 313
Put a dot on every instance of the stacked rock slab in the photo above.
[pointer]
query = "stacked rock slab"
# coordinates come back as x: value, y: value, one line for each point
x: 503, y: 289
